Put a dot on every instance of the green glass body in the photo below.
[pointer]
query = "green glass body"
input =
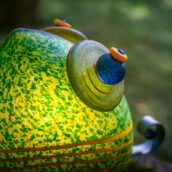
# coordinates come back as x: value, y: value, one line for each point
x: 44, y: 125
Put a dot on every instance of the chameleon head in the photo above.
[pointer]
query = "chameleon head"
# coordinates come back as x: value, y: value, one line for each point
x: 95, y: 72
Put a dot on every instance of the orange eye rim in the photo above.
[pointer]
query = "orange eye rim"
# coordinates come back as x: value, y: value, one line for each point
x: 61, y: 23
x: 117, y: 55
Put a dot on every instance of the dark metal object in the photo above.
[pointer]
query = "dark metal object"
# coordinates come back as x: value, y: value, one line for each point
x: 154, y: 133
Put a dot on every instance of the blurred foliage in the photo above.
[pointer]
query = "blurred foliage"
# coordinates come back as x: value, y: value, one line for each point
x: 144, y: 30
x: 17, y: 13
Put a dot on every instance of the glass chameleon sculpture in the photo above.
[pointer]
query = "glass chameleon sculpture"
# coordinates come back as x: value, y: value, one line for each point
x: 62, y: 104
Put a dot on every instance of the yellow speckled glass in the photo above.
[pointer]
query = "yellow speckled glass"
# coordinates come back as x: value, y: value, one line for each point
x: 44, y: 125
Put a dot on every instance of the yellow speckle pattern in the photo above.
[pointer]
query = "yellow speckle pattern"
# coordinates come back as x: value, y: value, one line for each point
x: 44, y: 126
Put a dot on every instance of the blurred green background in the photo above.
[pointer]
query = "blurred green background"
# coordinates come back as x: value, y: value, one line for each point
x: 143, y: 28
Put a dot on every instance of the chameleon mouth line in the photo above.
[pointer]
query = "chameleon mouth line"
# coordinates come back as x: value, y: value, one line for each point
x: 91, y: 142
x: 69, y: 154
x: 70, y: 162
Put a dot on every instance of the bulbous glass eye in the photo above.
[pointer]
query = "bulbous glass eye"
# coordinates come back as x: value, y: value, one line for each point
x: 110, y: 70
x: 96, y: 76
